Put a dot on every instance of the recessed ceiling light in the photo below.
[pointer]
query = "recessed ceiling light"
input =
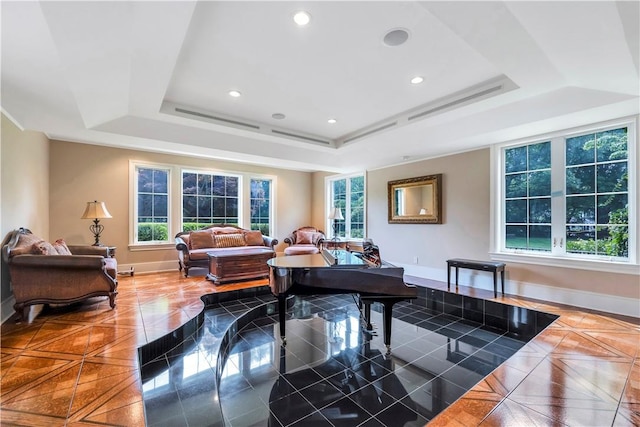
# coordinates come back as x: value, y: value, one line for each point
x: 331, y: 121
x: 395, y: 37
x: 278, y: 116
x: 302, y: 18
x: 234, y: 93
x: 416, y: 80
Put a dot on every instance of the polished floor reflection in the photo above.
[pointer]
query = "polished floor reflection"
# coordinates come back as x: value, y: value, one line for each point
x: 78, y: 366
x: 331, y: 373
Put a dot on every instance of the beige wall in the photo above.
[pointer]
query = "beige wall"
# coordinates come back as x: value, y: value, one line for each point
x: 24, y: 188
x: 465, y: 196
x: 81, y: 173
x: 319, y: 210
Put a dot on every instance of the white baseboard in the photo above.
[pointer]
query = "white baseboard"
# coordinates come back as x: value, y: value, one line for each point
x: 6, y: 310
x: 584, y: 299
x: 149, y: 267
x: 476, y: 279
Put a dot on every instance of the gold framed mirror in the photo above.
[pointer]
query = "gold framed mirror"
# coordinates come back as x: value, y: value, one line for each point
x: 415, y: 200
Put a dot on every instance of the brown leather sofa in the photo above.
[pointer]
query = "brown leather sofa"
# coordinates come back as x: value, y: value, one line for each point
x: 245, y: 248
x: 304, y: 240
x: 45, y: 273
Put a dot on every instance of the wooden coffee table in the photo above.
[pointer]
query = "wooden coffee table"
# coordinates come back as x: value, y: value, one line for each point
x: 239, y: 264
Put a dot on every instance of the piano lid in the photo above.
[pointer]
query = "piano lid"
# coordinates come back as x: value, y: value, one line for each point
x: 328, y: 258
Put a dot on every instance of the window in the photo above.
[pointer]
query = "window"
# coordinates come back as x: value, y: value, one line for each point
x: 151, y: 204
x: 527, y: 203
x: 569, y: 196
x: 208, y: 199
x: 348, y: 194
x: 260, y: 201
x: 160, y: 193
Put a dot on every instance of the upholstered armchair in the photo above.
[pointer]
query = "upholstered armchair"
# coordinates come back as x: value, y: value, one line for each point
x: 304, y: 240
x: 45, y: 273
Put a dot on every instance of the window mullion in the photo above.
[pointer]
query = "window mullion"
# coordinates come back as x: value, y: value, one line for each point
x: 558, y: 197
x: 347, y: 210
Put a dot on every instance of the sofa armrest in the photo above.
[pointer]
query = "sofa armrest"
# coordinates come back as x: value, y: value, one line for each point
x: 181, y: 245
x: 85, y: 262
x: 290, y: 239
x: 270, y: 242
x: 89, y: 250
x: 183, y: 251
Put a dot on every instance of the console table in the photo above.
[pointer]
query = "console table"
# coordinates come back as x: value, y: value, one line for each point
x: 494, y: 267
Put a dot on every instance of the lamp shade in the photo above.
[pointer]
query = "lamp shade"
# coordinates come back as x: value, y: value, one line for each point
x: 336, y: 214
x: 95, y: 210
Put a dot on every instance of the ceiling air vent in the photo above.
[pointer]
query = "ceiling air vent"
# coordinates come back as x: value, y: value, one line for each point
x: 303, y: 137
x: 218, y: 119
x: 457, y: 102
x: 370, y: 132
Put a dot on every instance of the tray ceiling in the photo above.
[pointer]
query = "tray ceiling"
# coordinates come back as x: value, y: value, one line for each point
x: 156, y: 76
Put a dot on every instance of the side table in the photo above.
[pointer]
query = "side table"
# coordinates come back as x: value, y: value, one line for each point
x: 493, y: 267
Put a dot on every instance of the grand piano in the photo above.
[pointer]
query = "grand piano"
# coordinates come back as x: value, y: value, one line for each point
x: 341, y: 272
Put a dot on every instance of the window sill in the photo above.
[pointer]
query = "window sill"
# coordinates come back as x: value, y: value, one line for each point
x: 566, y: 262
x: 151, y: 246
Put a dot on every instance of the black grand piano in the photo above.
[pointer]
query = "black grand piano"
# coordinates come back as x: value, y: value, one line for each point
x: 341, y: 272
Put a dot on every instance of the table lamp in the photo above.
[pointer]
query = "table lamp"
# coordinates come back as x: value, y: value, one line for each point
x: 335, y: 215
x: 96, y: 211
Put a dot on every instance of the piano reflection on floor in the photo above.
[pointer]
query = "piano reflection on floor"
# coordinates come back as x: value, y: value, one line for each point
x: 353, y: 383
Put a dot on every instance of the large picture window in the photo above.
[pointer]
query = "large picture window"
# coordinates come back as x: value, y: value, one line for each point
x: 348, y: 194
x: 151, y: 205
x: 569, y: 196
x: 166, y: 199
x: 209, y: 198
x: 260, y: 200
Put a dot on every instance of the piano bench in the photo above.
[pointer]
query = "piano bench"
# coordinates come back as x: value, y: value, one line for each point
x: 494, y: 267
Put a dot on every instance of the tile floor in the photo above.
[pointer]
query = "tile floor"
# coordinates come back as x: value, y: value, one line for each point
x: 79, y: 367
x: 329, y: 373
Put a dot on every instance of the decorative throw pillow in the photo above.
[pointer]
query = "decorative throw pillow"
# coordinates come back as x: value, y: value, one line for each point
x: 229, y: 240
x: 25, y: 244
x: 304, y: 237
x: 226, y: 230
x: 21, y: 250
x: 201, y: 240
x: 43, y: 248
x: 253, y: 238
x: 61, y: 247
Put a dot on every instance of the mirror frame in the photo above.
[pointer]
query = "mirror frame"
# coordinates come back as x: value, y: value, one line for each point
x: 431, y: 218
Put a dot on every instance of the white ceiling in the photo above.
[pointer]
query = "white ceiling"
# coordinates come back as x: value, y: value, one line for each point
x: 119, y: 73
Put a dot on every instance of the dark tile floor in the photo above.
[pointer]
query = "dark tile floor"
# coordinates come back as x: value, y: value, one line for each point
x: 330, y: 373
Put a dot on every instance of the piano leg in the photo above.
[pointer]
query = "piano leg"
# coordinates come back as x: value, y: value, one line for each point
x: 282, y: 314
x: 367, y: 314
x: 388, y: 316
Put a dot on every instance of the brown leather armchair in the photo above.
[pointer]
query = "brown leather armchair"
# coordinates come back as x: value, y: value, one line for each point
x: 57, y: 279
x: 304, y: 240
